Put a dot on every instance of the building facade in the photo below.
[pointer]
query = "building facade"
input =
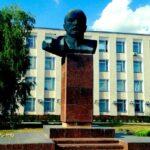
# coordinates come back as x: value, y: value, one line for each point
x: 121, y: 74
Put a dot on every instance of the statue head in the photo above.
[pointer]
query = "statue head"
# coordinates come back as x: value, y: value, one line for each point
x: 75, y: 23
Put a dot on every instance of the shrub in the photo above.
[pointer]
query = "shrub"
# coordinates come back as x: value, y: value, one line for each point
x: 143, y: 133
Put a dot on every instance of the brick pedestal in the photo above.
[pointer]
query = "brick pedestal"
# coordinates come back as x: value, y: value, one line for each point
x: 77, y: 89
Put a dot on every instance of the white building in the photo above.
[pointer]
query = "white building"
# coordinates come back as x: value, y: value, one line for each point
x: 121, y: 74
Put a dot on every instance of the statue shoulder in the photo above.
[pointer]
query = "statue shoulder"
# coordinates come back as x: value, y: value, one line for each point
x: 91, y: 45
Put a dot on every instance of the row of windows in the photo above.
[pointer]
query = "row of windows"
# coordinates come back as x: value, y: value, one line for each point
x: 49, y: 63
x: 120, y: 46
x: 103, y: 45
x: 103, y: 66
x: 48, y: 105
x: 103, y: 85
x: 49, y: 83
x: 121, y: 105
x: 103, y: 105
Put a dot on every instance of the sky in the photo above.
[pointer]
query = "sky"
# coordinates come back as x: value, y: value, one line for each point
x: 131, y: 16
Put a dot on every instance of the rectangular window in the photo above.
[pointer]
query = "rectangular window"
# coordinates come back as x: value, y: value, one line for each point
x: 121, y: 105
x: 103, y: 85
x: 137, y: 47
x: 103, y: 105
x: 49, y: 105
x: 103, y: 45
x: 137, y: 66
x: 103, y: 65
x: 31, y: 41
x: 120, y: 47
x: 49, y: 84
x: 120, y: 85
x: 49, y: 63
x: 32, y: 61
x: 138, y: 106
x: 30, y: 105
x: 120, y: 66
x: 138, y: 86
x: 32, y: 80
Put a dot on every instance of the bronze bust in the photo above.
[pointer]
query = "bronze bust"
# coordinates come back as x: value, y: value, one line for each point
x: 73, y: 41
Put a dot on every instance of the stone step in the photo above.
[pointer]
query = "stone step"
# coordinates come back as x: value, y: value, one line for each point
x: 84, y: 140
x: 89, y: 146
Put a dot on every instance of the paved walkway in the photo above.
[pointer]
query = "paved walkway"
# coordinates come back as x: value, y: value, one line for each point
x: 24, y: 138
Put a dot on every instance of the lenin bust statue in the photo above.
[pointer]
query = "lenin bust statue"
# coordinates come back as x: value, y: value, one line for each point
x: 73, y: 41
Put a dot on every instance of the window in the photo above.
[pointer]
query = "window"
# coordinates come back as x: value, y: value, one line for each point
x: 49, y: 63
x: 103, y: 105
x: 32, y: 80
x: 103, y: 85
x: 103, y: 65
x: 138, y: 106
x: 120, y: 85
x: 49, y: 105
x: 120, y: 66
x: 138, y: 86
x: 120, y: 46
x: 31, y: 41
x: 121, y: 105
x: 137, y: 47
x: 30, y: 105
x: 103, y: 45
x: 49, y: 84
x: 137, y: 66
x: 32, y: 61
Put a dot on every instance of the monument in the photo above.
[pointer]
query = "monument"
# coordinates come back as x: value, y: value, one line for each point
x: 77, y: 70
x: 77, y: 83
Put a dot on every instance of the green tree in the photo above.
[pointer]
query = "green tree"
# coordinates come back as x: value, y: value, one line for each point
x: 15, y: 28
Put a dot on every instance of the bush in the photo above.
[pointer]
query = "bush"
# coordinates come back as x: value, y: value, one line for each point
x: 143, y: 133
x: 122, y: 119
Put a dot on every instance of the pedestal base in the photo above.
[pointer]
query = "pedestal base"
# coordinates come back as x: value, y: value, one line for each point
x: 79, y: 132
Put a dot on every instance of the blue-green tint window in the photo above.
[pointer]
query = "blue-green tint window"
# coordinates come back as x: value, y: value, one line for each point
x: 49, y: 84
x: 138, y: 86
x: 49, y: 63
x: 121, y: 105
x: 120, y: 47
x: 103, y: 105
x: 138, y: 106
x: 103, y: 65
x: 120, y: 85
x: 103, y: 85
x: 31, y: 80
x: 29, y: 105
x: 32, y: 61
x: 137, y: 66
x: 49, y: 105
x: 137, y: 47
x: 120, y: 66
x: 103, y: 45
x: 31, y: 41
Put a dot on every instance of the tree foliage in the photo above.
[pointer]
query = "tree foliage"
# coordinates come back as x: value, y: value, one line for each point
x: 15, y: 27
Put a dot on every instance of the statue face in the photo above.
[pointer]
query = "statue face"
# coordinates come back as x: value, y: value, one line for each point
x: 75, y: 23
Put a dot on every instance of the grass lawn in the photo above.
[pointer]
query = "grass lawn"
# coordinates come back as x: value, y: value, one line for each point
x: 133, y: 128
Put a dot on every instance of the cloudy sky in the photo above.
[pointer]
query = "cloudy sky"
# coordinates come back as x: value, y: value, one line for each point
x: 103, y: 15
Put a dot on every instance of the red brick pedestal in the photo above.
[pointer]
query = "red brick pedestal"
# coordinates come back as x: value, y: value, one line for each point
x: 77, y: 89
